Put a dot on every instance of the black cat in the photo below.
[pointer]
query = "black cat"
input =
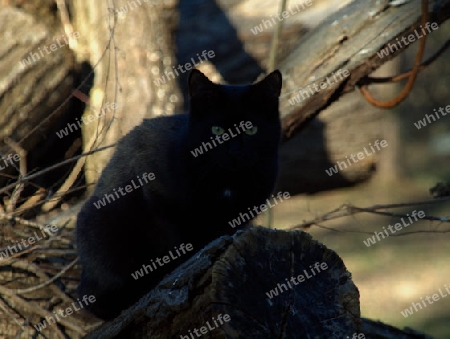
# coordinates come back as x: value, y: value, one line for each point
x: 176, y: 182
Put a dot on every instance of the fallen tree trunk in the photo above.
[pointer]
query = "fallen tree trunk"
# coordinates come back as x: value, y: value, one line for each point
x: 347, y: 40
x: 234, y: 279
x: 331, y: 129
x: 232, y: 276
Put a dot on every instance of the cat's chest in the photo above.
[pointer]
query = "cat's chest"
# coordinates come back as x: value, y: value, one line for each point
x: 231, y: 197
x: 227, y: 193
x: 236, y: 189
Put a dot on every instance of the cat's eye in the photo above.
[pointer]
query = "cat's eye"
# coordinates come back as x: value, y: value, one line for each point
x: 251, y: 131
x: 217, y: 130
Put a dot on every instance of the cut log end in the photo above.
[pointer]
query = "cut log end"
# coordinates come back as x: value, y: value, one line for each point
x: 229, y: 290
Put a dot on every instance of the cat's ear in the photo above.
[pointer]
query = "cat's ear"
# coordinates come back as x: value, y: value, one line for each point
x: 199, y: 84
x: 271, y: 83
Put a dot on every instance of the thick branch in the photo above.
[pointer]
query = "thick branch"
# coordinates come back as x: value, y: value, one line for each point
x: 347, y: 40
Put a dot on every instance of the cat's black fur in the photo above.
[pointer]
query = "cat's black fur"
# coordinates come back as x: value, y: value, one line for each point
x: 191, y: 200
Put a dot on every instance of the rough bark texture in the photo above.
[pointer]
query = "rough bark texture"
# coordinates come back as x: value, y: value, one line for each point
x: 128, y: 51
x: 34, y: 84
x: 378, y: 330
x: 231, y: 276
x: 348, y: 39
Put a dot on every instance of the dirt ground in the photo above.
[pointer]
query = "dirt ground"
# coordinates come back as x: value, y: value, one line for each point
x: 396, y: 271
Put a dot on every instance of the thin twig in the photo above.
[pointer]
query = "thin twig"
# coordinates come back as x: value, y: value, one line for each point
x: 9, y: 294
x: 348, y: 209
x: 49, y: 281
x: 6, y: 309
x: 371, y: 233
x: 51, y: 168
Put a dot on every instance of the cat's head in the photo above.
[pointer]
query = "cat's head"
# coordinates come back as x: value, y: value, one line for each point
x: 235, y: 126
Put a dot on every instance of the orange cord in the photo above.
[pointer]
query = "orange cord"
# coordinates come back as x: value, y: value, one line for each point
x: 425, y: 64
x: 412, y: 74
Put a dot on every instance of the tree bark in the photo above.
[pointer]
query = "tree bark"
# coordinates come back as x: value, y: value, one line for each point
x: 232, y: 276
x: 36, y: 82
x: 128, y: 51
x: 349, y: 39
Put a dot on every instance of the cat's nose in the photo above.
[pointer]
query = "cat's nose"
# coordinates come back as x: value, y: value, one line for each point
x: 234, y: 147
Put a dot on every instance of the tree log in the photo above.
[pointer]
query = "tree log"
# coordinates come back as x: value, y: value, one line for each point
x: 35, y: 84
x: 349, y: 39
x: 378, y: 330
x: 232, y: 276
